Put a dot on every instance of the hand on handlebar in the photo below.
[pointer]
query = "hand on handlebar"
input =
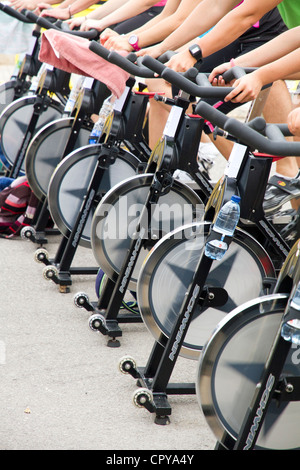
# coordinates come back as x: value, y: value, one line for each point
x: 216, y: 76
x: 152, y: 51
x: 20, y: 5
x: 181, y: 62
x: 59, y: 13
x: 246, y: 89
x: 91, y: 24
x: 76, y: 22
x: 293, y: 122
x: 114, y: 41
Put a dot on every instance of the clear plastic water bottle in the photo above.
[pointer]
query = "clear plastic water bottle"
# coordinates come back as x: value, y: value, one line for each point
x: 290, y: 330
x: 77, y: 87
x: 225, y: 224
x: 105, y: 111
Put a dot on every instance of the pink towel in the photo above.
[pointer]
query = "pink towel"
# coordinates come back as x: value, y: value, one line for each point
x: 71, y: 54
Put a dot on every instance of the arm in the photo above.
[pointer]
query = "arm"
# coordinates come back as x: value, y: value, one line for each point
x: 293, y: 121
x: 248, y: 87
x: 129, y: 10
x: 231, y: 26
x: 99, y: 12
x: 154, y: 33
x: 270, y: 51
x: 67, y: 8
x: 196, y: 23
x: 27, y: 4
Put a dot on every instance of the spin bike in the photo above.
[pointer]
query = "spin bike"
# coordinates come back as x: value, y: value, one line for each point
x: 248, y: 382
x: 121, y: 255
x: 54, y: 142
x: 80, y: 180
x: 25, y: 116
x: 20, y: 84
x: 200, y: 291
x: 181, y: 137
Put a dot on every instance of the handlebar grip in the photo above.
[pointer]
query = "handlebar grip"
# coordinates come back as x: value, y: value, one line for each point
x: 40, y: 21
x: 153, y: 64
x: 122, y: 62
x: 189, y: 87
x: 274, y: 133
x: 57, y: 26
x: 211, y: 114
x: 14, y: 13
x: 166, y: 56
x: 99, y: 50
x: 233, y: 73
x: 202, y: 80
x: 248, y: 136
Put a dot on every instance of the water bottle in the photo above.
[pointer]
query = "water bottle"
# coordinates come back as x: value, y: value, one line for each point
x: 225, y: 224
x: 77, y: 87
x: 105, y: 111
x: 290, y: 330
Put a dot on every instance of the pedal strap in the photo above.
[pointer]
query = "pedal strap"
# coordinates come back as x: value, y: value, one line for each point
x: 284, y: 185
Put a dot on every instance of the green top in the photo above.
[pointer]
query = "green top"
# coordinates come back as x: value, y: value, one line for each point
x: 290, y: 12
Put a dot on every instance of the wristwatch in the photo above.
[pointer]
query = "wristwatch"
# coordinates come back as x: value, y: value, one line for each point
x: 133, y: 41
x: 196, y: 52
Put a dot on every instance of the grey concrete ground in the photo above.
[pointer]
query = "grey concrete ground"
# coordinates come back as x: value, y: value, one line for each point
x: 60, y: 383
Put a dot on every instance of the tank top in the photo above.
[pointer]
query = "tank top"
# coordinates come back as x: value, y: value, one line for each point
x: 268, y: 27
x: 160, y: 4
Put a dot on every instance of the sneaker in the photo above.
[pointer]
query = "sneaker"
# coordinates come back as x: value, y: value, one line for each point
x: 280, y: 191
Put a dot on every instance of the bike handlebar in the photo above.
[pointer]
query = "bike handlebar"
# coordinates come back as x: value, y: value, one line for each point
x: 46, y: 24
x: 14, y: 13
x: 126, y: 63
x: 257, y: 134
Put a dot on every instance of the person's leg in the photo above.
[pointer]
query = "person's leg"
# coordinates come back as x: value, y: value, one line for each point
x: 285, y: 182
x: 276, y: 110
x: 158, y: 111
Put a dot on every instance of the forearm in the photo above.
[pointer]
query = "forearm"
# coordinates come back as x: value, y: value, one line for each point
x: 234, y: 24
x: 77, y: 6
x: 286, y: 67
x: 168, y: 25
x: 272, y: 50
x: 192, y: 27
x: 129, y: 10
x: 168, y: 10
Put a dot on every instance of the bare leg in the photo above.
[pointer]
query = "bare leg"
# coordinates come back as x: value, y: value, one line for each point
x: 158, y: 111
x: 277, y: 108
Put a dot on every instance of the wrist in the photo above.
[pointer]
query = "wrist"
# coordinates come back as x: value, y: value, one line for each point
x: 133, y: 42
x: 196, y: 52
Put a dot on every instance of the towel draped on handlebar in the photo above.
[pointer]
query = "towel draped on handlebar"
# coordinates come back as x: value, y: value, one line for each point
x: 71, y: 54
